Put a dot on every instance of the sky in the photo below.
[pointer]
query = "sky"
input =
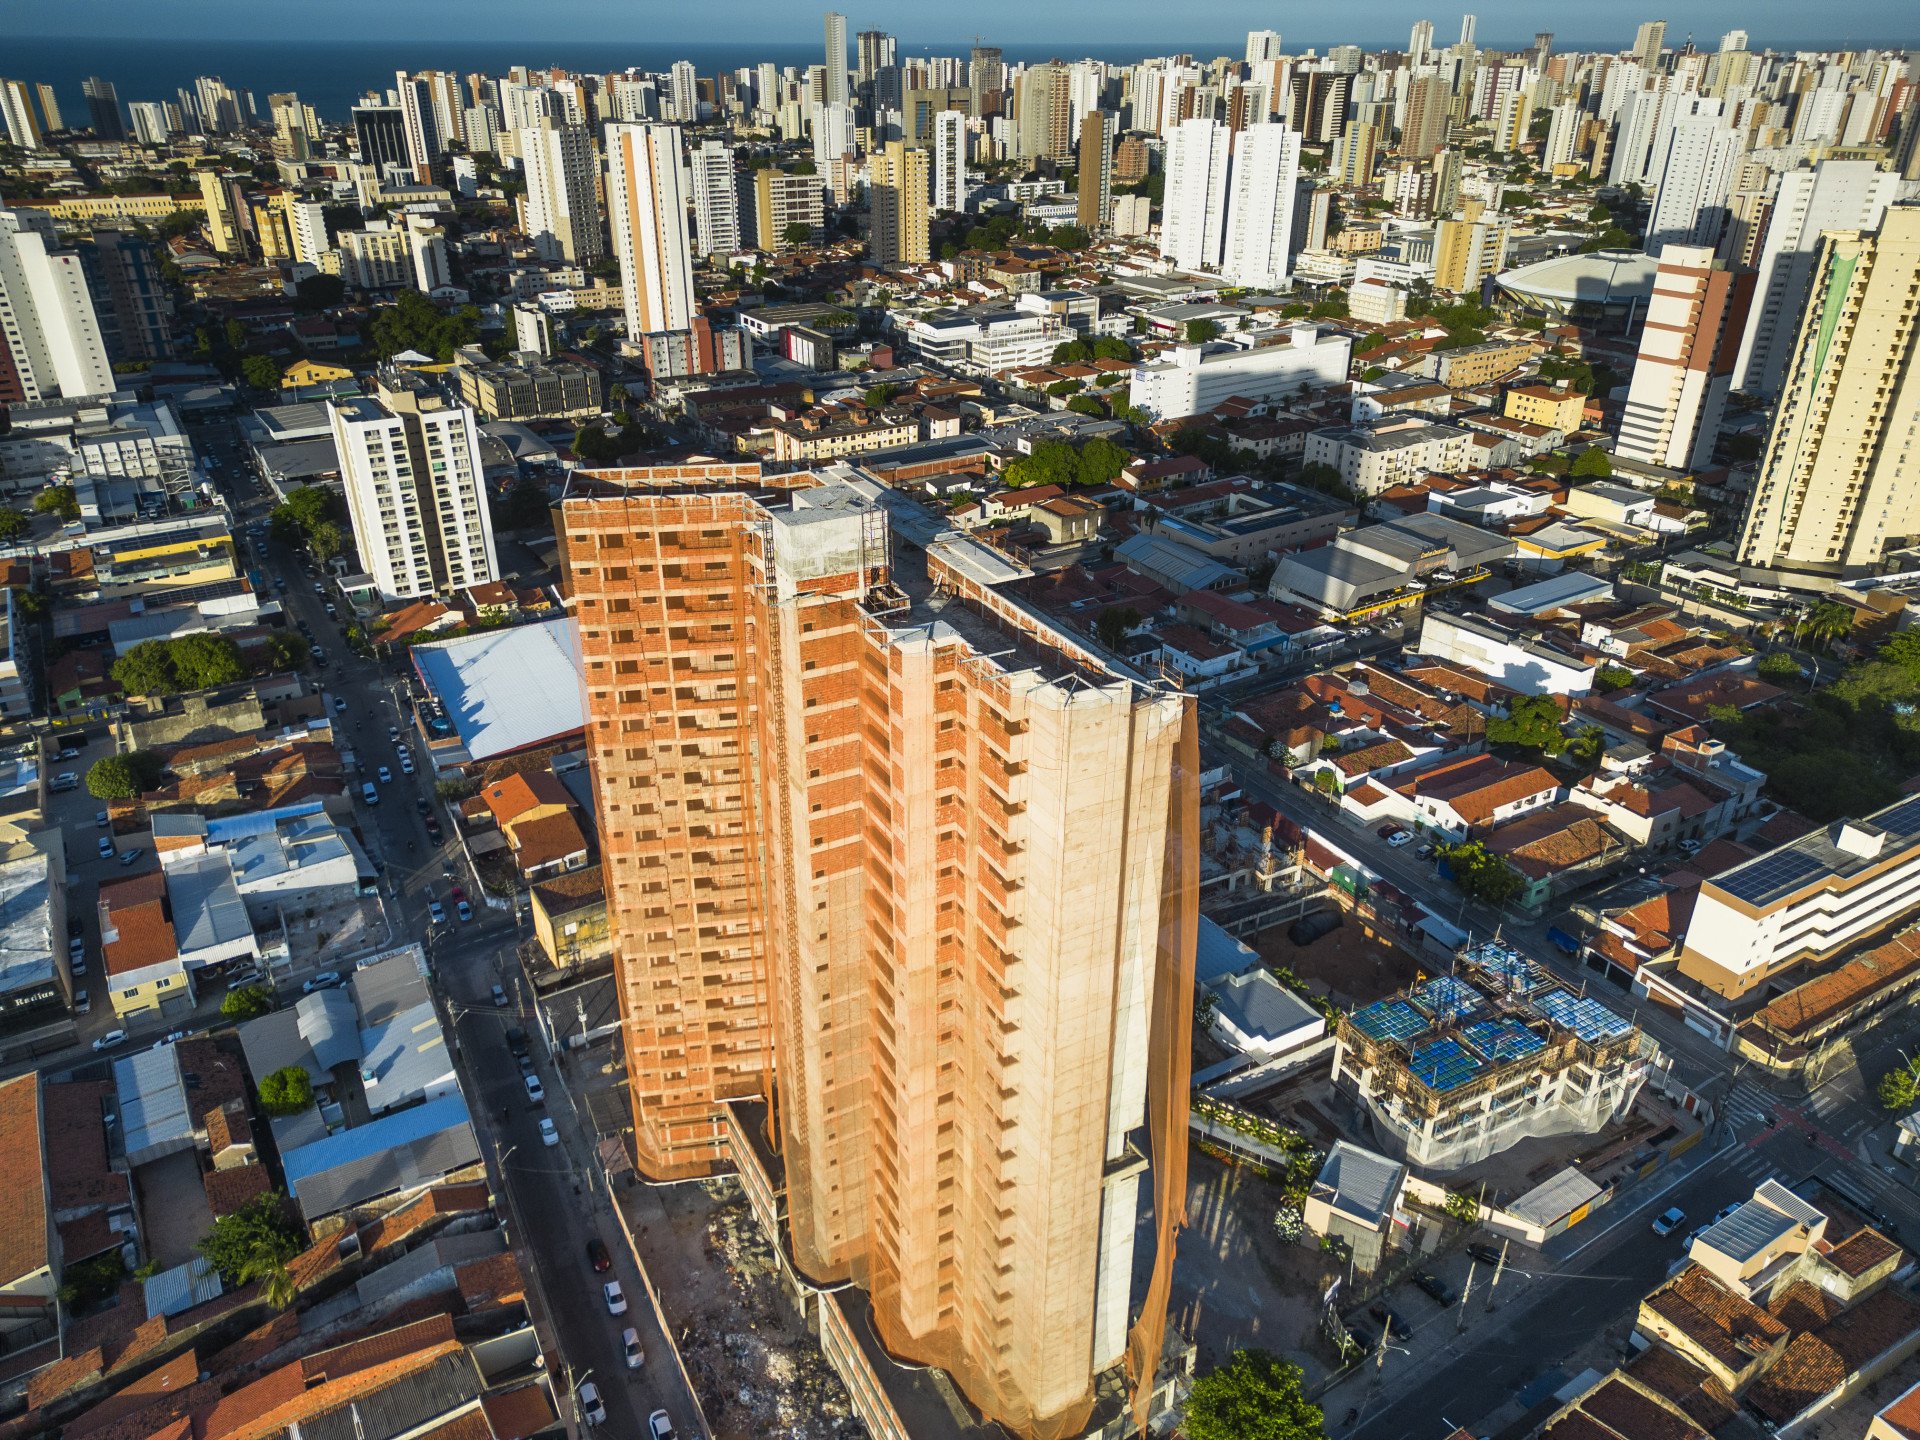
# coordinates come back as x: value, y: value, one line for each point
x: 1607, y: 23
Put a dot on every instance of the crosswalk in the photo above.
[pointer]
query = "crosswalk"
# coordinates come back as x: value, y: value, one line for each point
x: 1749, y: 1101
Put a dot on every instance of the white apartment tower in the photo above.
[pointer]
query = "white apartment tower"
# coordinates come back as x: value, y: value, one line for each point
x: 49, y: 335
x: 836, y: 78
x: 950, y: 161
x: 410, y: 464
x: 1264, y: 45
x: 1194, y: 212
x: 562, y: 209
x: 307, y: 229
x: 649, y: 221
x: 1833, y: 195
x: 1687, y: 348
x: 1693, y: 175
x: 1419, y: 44
x: 716, y: 198
x: 683, y: 94
x: 418, y: 124
x: 1563, y: 134
x: 1260, y: 199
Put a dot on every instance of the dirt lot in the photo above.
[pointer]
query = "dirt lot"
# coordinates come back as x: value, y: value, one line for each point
x: 1352, y: 968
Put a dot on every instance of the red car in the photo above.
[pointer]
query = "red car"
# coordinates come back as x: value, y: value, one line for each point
x: 457, y: 893
x: 599, y: 1256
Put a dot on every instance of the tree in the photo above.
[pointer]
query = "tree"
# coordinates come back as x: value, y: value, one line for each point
x: 1463, y: 1206
x: 1827, y: 622
x: 285, y: 650
x: 287, y: 1091
x: 1778, y: 666
x: 319, y: 292
x: 1052, y: 462
x: 413, y: 322
x: 1101, y: 461
x: 124, y: 777
x: 1609, y: 678
x: 247, y: 1002
x: 1586, y: 748
x: 1087, y: 405
x: 58, y: 501
x: 1071, y: 352
x: 1199, y: 332
x: 203, y: 661
x: 1112, y: 347
x: 13, y: 526
x: 146, y: 669
x: 1114, y: 624
x: 877, y: 396
x: 325, y: 541
x: 1591, y: 464
x: 1255, y: 1396
x: 1899, y: 1089
x: 1289, y: 1223
x: 254, y: 1241
x: 262, y: 372
x: 1532, y: 721
x: 1480, y: 873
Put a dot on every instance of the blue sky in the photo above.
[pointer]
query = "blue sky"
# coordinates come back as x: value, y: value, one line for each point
x: 1781, y: 23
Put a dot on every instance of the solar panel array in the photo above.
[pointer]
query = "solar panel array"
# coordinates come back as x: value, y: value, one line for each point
x: 1588, y: 1019
x: 1444, y: 1064
x: 1760, y: 880
x: 1392, y: 1019
x: 1503, y: 1040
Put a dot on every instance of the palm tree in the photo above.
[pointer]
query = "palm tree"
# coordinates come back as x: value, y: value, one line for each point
x: 277, y: 1287
x: 1827, y: 622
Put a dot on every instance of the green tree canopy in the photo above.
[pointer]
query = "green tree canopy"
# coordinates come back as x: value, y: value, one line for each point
x: 286, y: 650
x: 1254, y: 1396
x: 326, y: 541
x: 262, y: 372
x: 58, y: 500
x: 319, y: 292
x: 1112, y: 347
x: 1532, y: 721
x: 246, y: 1003
x: 287, y: 1091
x: 202, y: 661
x: 1071, y: 352
x: 1778, y: 666
x: 797, y: 232
x: 521, y: 508
x: 1480, y: 873
x: 1087, y: 405
x: 1899, y: 1089
x: 124, y: 777
x: 146, y: 669
x: 1114, y: 624
x: 1201, y: 331
x: 254, y: 1241
x: 1609, y: 678
x: 13, y: 526
x: 1591, y: 464
x: 413, y: 322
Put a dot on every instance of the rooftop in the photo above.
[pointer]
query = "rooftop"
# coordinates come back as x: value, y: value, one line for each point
x: 25, y: 1221
x: 507, y: 689
x: 1833, y: 856
x: 26, y: 922
x: 1359, y: 1183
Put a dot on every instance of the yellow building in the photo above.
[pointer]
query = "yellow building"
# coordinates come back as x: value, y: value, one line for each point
x: 570, y: 918
x: 1558, y: 407
x: 93, y: 209
x: 217, y: 194
x: 1466, y: 251
x: 900, y: 187
x: 195, y: 555
x: 312, y: 372
x: 139, y: 953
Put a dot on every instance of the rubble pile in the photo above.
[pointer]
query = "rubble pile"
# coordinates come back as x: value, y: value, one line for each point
x: 758, y: 1370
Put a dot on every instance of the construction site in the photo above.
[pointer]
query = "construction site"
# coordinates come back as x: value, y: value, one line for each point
x: 1459, y: 1067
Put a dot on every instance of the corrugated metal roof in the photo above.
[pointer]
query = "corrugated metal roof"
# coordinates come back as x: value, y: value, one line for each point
x: 396, y: 1152
x: 406, y: 1057
x: 329, y: 1025
x: 1748, y: 1231
x: 183, y: 1287
x: 387, y: 984
x: 507, y: 689
x: 228, y: 828
x: 154, y: 1119
x: 207, y: 909
x: 1360, y: 1183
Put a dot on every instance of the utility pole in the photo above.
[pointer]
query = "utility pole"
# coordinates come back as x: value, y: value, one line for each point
x: 1499, y: 1269
x: 1380, y: 1351
x: 1461, y: 1324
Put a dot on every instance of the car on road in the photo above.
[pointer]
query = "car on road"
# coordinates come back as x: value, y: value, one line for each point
x: 109, y: 1040
x: 500, y: 996
x: 536, y: 1092
x: 66, y: 780
x: 630, y: 1347
x: 516, y: 1040
x: 101, y: 820
x: 659, y: 1427
x: 615, y: 1297
x: 76, y: 927
x: 406, y: 764
x: 393, y: 733
x: 433, y: 829
x: 1397, y: 1327
x: 1426, y: 852
x: 1435, y: 1289
x: 598, y: 1256
x: 421, y: 804
x: 368, y: 794
x: 386, y: 775
x: 1399, y: 838
x: 458, y: 892
x: 339, y: 705
x: 1485, y: 1254
x: 128, y: 857
x: 1669, y: 1221
x: 463, y: 910
x: 325, y: 980
x: 548, y: 1135
x: 82, y: 1002
x: 106, y: 847
x: 76, y: 948
x: 592, y: 1410
x: 436, y: 912
x: 1689, y: 847
x: 69, y: 752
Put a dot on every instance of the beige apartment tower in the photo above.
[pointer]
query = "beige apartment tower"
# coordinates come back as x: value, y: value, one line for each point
x: 900, y: 183
x: 1839, y: 487
x: 887, y: 851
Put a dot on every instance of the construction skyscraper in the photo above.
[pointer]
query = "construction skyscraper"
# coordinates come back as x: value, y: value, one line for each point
x: 902, y: 891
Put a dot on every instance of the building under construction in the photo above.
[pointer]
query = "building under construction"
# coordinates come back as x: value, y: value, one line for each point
x: 889, y: 851
x: 1461, y: 1066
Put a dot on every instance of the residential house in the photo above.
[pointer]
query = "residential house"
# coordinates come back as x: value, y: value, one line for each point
x: 1468, y: 797
x: 536, y: 815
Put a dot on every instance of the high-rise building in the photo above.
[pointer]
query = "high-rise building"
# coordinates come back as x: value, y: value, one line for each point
x: 416, y: 493
x: 380, y: 134
x: 1317, y: 107
x: 1685, y: 366
x: 16, y: 108
x: 716, y: 198
x: 1263, y: 45
x: 1833, y: 195
x: 898, y: 874
x: 1648, y: 41
x: 130, y: 297
x: 649, y: 215
x: 1468, y: 24
x: 1429, y: 110
x: 1693, y: 178
x: 1466, y: 252
x: 875, y: 51
x: 986, y: 76
x: 424, y: 142
x: 103, y: 108
x: 1042, y: 106
x: 49, y: 107
x: 920, y: 104
x: 562, y: 202
x: 223, y: 216
x: 1265, y: 173
x: 833, y: 137
x: 1511, y: 118
x: 683, y: 93
x: 780, y: 202
x: 1094, y: 208
x: 307, y: 231
x: 1839, y: 486
x: 1419, y: 44
x: 151, y: 124
x: 50, y: 342
x: 837, y: 92
x: 899, y: 186
x: 950, y: 161
x: 1563, y: 136
x: 217, y: 105
x: 1193, y: 211
x: 427, y: 250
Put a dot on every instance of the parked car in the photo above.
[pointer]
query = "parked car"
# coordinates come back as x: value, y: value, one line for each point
x: 406, y: 764
x: 128, y: 857
x: 1669, y: 1221
x: 1387, y: 831
x: 536, y: 1092
x: 1436, y: 1289
x: 500, y: 996
x: 325, y: 980
x: 386, y: 775
x: 433, y: 829
x: 458, y: 892
x: 548, y: 1135
x: 1400, y: 838
x: 422, y: 804
x: 630, y: 1347
x: 393, y: 733
x: 76, y: 926
x: 598, y: 1256
x: 517, y: 1040
x: 1689, y: 847
x: 339, y: 705
x: 106, y: 847
x: 1427, y: 851
x: 1484, y: 1253
x: 616, y: 1299
x: 66, y: 780
x: 463, y: 910
x: 659, y: 1427
x: 1389, y: 1317
x: 109, y: 1040
x: 69, y: 752
x: 82, y: 1002
x: 592, y: 1410
x: 76, y: 949
x: 436, y: 912
x: 101, y: 820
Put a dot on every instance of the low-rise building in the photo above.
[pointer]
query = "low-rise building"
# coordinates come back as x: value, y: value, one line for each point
x: 1377, y: 455
x: 1518, y: 660
x: 1615, y: 504
x: 1558, y: 406
x: 1356, y: 1198
x: 525, y: 386
x: 1254, y: 364
x: 1376, y: 568
x: 1469, y: 366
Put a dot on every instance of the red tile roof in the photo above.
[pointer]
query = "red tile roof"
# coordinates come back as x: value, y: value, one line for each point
x: 516, y: 1414
x: 1725, y: 1326
x: 136, y: 910
x: 25, y: 1222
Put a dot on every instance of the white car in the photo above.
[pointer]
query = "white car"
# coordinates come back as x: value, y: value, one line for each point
x: 106, y: 847
x: 592, y: 1411
x: 659, y: 1427
x: 548, y: 1135
x: 630, y: 1347
x: 325, y: 980
x: 1670, y: 1221
x: 101, y: 820
x: 386, y: 776
x: 536, y: 1092
x: 1399, y: 838
x: 109, y: 1040
x: 436, y: 912
x: 615, y: 1297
